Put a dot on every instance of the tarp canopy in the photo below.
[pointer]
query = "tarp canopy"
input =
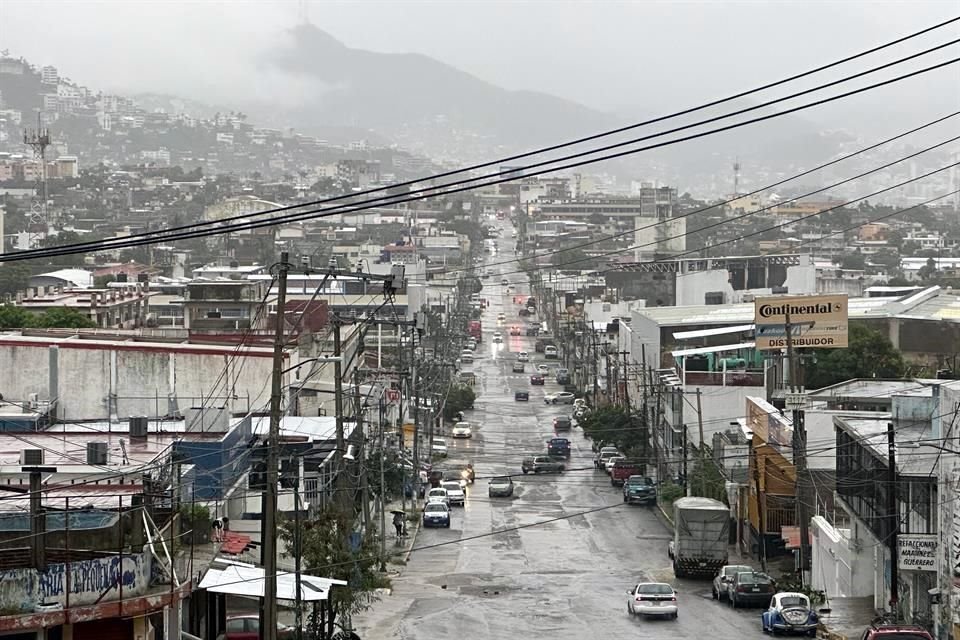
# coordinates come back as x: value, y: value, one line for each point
x: 246, y: 580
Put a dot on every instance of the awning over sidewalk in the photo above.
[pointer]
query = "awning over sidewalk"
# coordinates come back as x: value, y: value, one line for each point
x: 240, y: 579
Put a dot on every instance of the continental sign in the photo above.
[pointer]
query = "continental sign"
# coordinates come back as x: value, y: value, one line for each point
x: 815, y: 321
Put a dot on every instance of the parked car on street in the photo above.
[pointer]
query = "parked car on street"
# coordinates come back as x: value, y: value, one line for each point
x: 439, y: 447
x: 562, y: 423
x: 652, y: 599
x: 498, y: 337
x: 639, y: 490
x: 501, y: 487
x: 604, y: 454
x: 563, y: 376
x: 790, y: 612
x: 608, y: 465
x: 537, y: 379
x: 621, y: 470
x: 514, y: 330
x: 521, y: 396
x: 882, y: 629
x: 722, y: 581
x: 466, y: 356
x: 543, y: 464
x: 751, y: 588
x: 436, y: 514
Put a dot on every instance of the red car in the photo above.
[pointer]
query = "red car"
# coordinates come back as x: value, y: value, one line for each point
x: 536, y: 379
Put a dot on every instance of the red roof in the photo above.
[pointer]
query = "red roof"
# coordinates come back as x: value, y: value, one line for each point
x: 234, y: 543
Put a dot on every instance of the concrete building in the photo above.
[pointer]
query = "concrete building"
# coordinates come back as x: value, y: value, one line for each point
x: 118, y: 307
x: 91, y: 378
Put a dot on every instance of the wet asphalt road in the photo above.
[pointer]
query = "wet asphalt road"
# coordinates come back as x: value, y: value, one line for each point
x: 553, y: 570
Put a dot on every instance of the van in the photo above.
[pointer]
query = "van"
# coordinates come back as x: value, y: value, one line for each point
x: 550, y: 352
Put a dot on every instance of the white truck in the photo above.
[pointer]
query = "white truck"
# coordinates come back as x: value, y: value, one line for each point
x: 701, y: 536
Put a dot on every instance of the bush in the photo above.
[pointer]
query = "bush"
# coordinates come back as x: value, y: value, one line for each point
x: 670, y: 492
x: 197, y: 519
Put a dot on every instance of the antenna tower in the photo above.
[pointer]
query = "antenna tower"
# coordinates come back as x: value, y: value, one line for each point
x: 736, y: 178
x: 39, y: 139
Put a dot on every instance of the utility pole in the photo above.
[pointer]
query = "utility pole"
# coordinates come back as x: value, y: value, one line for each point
x: 364, y: 480
x: 268, y: 606
x: 761, y: 525
x: 893, y: 512
x: 338, y: 409
x: 416, y: 416
x: 626, y: 381
x: 383, y: 502
x: 703, y: 450
x: 686, y: 482
x: 799, y: 456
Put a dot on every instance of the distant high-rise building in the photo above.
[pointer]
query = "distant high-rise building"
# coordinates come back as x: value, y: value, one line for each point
x: 49, y: 75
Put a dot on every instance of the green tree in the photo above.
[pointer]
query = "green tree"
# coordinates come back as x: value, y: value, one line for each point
x: 329, y: 547
x: 101, y: 282
x: 855, y: 261
x: 14, y: 317
x: 63, y: 318
x: 870, y: 354
x: 929, y: 270
x: 611, y: 424
x: 14, y: 277
x: 887, y: 258
x: 460, y: 398
x: 392, y: 474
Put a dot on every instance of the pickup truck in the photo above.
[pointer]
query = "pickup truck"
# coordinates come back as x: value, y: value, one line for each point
x: 622, y: 469
x: 559, y: 447
x: 543, y: 464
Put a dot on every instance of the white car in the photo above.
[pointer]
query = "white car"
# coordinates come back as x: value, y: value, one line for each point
x: 462, y: 430
x: 498, y: 337
x: 579, y: 403
x: 559, y: 397
x: 466, y: 356
x: 523, y: 356
x: 439, y: 447
x: 439, y: 494
x: 550, y: 351
x: 608, y: 465
x: 543, y: 369
x: 652, y: 599
x: 455, y: 493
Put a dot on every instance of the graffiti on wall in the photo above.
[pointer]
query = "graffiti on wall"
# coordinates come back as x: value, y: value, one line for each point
x: 89, y: 581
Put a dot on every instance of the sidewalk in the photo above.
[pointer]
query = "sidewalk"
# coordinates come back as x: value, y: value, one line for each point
x: 847, y: 619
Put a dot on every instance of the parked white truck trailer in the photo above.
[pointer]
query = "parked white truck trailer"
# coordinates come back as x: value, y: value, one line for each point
x: 701, y: 536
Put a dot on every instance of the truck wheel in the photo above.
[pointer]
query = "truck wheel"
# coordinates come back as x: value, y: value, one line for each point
x: 524, y: 472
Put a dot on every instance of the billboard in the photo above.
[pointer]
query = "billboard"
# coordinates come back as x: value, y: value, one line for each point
x: 815, y: 321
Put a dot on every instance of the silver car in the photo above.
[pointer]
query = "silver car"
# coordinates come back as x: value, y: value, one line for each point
x: 724, y: 578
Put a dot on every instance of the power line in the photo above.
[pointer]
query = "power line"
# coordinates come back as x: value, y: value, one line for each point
x: 155, y: 238
x: 598, y: 136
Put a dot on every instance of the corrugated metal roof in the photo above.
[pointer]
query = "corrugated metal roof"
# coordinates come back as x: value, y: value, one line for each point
x: 246, y: 580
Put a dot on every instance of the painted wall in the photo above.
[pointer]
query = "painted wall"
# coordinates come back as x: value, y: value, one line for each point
x: 24, y: 589
x: 836, y: 567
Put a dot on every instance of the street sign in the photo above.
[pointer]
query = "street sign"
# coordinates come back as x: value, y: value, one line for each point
x: 393, y: 396
x: 815, y: 321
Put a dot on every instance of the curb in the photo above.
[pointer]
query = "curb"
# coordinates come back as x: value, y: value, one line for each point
x: 664, y: 514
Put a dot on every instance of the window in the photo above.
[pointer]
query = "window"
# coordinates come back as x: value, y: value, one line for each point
x: 714, y: 297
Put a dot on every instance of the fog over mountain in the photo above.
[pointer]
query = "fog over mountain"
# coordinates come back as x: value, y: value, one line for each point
x: 504, y: 76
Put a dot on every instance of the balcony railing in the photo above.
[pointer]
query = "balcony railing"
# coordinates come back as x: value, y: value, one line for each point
x: 725, y: 379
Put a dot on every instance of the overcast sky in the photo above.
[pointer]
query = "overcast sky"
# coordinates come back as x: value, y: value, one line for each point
x: 608, y: 55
